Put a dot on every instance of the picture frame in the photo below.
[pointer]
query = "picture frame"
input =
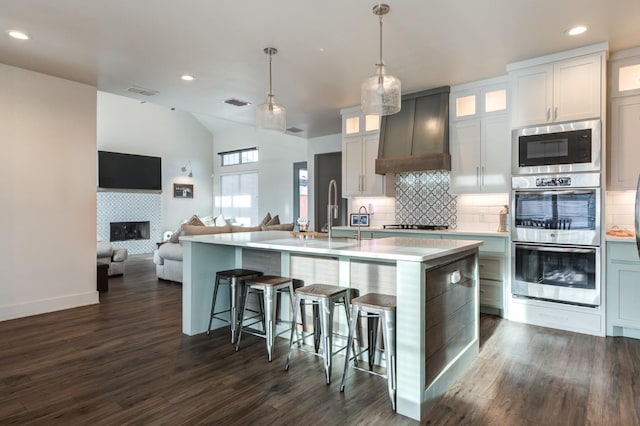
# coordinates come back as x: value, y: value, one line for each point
x: 360, y: 220
x: 182, y: 190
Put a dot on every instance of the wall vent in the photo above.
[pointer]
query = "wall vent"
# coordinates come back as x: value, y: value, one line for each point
x: 236, y: 102
x: 142, y: 91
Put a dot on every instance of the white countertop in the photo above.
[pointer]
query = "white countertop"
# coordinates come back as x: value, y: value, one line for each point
x: 423, y: 231
x: 621, y: 239
x: 393, y: 248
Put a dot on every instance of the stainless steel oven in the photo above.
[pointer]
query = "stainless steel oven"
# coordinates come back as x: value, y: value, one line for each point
x: 556, y: 209
x: 568, y: 274
x: 557, y: 148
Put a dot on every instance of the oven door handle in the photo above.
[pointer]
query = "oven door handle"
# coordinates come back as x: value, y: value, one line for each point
x: 557, y: 249
x: 554, y: 192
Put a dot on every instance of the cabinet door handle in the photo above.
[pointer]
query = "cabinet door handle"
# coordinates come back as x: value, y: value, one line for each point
x: 483, y: 183
x: 548, y: 114
x: 555, y: 114
x: 455, y: 278
x: 477, y: 176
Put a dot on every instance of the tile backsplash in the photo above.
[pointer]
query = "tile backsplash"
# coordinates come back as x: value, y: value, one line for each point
x: 425, y: 198
x: 620, y: 209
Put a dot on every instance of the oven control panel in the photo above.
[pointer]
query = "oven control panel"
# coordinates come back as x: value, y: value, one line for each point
x: 553, y: 181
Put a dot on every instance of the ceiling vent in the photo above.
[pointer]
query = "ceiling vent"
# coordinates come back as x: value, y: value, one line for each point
x: 236, y: 102
x: 142, y: 91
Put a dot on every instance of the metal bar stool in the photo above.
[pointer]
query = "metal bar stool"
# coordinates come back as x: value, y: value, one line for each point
x: 268, y: 286
x: 378, y: 306
x: 325, y: 297
x: 234, y: 278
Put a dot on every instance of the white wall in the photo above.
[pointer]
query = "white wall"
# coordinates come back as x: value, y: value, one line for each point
x: 48, y: 250
x: 129, y: 126
x: 319, y: 145
x: 277, y: 153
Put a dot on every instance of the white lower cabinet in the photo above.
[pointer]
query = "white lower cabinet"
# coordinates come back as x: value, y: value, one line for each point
x: 623, y: 289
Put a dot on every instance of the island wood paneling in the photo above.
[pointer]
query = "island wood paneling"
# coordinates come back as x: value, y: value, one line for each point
x: 449, y: 314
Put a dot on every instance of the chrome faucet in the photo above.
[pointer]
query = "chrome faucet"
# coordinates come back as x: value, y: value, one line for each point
x: 359, y: 236
x: 332, y: 209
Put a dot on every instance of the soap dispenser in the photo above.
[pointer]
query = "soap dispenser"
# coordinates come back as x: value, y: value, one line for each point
x: 504, y: 219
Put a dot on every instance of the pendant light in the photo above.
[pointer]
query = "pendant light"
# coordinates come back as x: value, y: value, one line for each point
x: 270, y: 115
x: 381, y: 93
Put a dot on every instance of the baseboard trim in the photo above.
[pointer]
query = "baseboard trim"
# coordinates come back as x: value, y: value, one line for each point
x: 36, y: 307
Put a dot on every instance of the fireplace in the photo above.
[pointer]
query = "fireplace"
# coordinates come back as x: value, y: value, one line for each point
x: 123, y: 231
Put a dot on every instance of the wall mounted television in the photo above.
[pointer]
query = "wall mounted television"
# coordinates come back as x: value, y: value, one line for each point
x: 129, y: 171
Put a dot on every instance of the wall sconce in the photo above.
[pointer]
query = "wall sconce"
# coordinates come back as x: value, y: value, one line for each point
x: 184, y: 168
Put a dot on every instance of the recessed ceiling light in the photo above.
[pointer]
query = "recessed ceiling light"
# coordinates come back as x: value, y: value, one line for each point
x: 19, y: 35
x: 187, y: 77
x: 577, y: 30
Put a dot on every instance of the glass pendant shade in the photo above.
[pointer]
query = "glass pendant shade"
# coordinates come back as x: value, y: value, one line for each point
x: 271, y: 116
x: 381, y: 93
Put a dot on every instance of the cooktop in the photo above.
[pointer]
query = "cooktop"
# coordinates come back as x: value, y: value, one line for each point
x: 423, y: 227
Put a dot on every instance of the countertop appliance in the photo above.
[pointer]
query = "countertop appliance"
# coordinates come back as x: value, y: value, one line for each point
x: 557, y: 148
x: 421, y: 227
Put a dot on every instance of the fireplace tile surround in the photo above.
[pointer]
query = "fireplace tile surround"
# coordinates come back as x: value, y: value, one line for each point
x: 113, y: 206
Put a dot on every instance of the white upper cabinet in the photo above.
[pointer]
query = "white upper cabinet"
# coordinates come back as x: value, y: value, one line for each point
x: 549, y: 90
x: 625, y: 73
x: 480, y: 137
x: 625, y: 149
x: 360, y: 140
x: 624, y: 109
x: 354, y: 122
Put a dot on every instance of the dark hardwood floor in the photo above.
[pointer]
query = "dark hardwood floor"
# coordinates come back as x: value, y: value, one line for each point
x: 125, y: 361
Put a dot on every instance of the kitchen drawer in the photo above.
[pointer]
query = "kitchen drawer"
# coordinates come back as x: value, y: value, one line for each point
x: 491, y: 293
x: 491, y: 267
x: 622, y: 251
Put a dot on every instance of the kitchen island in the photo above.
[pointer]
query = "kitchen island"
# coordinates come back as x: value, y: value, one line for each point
x: 435, y: 282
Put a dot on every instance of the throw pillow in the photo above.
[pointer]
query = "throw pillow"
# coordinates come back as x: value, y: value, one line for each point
x: 274, y: 221
x: 193, y: 220
x: 220, y: 221
x: 279, y: 227
x: 208, y: 220
x: 266, y: 219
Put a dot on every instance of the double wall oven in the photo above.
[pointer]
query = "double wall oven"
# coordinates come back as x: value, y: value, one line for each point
x: 556, y: 213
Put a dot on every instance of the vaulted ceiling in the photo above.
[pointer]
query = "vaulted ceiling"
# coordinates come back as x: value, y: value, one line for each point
x: 326, y: 49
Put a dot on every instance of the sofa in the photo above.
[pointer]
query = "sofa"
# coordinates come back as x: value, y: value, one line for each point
x: 168, y: 257
x: 112, y: 256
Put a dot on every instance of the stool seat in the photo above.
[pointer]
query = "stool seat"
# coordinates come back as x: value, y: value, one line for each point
x: 321, y: 290
x: 269, y: 280
x: 237, y: 273
x: 376, y: 301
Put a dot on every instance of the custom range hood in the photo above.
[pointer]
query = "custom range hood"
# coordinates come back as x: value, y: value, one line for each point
x: 416, y: 138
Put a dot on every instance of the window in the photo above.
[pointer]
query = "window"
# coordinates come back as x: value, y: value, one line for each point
x: 241, y: 156
x: 238, y: 198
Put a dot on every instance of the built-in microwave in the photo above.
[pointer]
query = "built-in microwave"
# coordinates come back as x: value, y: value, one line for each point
x: 557, y: 148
